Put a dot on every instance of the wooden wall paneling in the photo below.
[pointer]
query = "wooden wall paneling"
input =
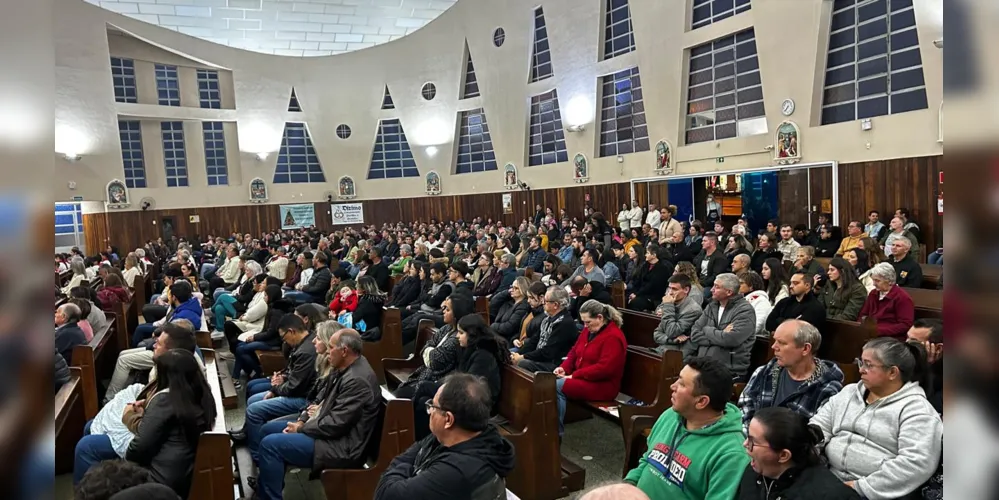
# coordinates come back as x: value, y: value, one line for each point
x: 658, y: 194
x: 792, y: 193
x: 821, y: 189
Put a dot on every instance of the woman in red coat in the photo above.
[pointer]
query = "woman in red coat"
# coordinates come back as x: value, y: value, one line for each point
x: 888, y: 304
x: 594, y: 367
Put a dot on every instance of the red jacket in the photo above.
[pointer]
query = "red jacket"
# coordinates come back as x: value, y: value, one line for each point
x: 340, y: 305
x: 894, y: 315
x: 112, y: 296
x: 596, y: 366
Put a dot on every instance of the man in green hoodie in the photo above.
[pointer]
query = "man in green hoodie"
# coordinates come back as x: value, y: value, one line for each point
x: 696, y: 447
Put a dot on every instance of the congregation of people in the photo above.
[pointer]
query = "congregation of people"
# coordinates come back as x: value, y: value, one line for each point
x: 797, y: 429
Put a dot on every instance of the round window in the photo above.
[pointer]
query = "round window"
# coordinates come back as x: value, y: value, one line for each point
x: 429, y: 91
x: 499, y: 36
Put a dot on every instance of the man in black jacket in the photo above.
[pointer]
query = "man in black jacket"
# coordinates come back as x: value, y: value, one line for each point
x: 465, y: 458
x: 802, y: 304
x: 315, y: 290
x: 285, y: 393
x: 710, y: 262
x: 908, y: 272
x: 68, y: 333
x: 379, y: 270
x: 544, y: 351
x: 334, y: 434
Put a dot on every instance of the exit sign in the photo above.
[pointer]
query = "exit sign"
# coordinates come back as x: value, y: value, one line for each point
x: 720, y: 159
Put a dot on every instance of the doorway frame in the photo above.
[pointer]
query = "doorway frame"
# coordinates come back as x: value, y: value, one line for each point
x: 770, y: 168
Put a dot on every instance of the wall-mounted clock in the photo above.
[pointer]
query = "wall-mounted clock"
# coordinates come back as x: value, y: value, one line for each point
x: 787, y: 107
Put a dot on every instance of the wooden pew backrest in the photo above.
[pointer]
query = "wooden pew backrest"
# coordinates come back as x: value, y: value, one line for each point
x: 390, y: 345
x: 638, y: 328
x: 212, y: 478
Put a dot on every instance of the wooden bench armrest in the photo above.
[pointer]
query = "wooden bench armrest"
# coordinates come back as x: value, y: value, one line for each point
x: 410, y: 364
x: 634, y: 429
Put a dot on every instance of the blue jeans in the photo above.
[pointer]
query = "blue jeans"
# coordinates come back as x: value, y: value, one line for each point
x: 260, y: 411
x: 300, y: 297
x: 154, y: 297
x: 246, y: 358
x: 561, y: 405
x: 279, y: 449
x: 935, y: 258
x: 90, y: 451
x: 142, y: 332
x: 255, y: 387
x: 224, y: 306
x: 206, y: 269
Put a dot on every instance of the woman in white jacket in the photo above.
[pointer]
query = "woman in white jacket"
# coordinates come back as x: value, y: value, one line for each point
x: 751, y: 286
x: 252, y: 321
x: 883, y: 438
x: 774, y: 280
x: 79, y: 274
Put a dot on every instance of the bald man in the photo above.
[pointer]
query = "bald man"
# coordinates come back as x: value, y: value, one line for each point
x: 616, y: 491
x: 740, y: 263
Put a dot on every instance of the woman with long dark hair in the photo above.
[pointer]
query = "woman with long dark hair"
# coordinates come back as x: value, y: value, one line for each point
x: 775, y: 280
x: 859, y: 259
x: 173, y: 419
x: 483, y: 353
x: 636, y: 257
x: 842, y: 293
x: 785, y: 462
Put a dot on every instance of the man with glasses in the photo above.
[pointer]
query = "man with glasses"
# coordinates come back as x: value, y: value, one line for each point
x: 854, y: 233
x: 695, y: 448
x: 544, y: 352
x: 465, y: 457
x: 794, y: 378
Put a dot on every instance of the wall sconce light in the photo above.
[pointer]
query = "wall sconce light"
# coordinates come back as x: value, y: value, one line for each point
x: 71, y: 156
x: 262, y: 156
x: 431, y: 151
x: 575, y: 128
x: 938, y: 43
x: 866, y: 124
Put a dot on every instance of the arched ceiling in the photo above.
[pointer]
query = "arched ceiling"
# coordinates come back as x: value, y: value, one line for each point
x: 286, y: 27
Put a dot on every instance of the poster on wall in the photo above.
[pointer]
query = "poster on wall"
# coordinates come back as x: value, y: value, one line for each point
x: 507, y: 203
x: 297, y: 216
x: 347, y: 213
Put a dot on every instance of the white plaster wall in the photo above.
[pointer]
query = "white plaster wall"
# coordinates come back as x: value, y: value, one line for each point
x: 791, y: 38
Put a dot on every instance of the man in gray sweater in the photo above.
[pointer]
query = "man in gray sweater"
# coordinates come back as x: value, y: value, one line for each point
x: 726, y: 330
x: 679, y: 312
x: 588, y: 268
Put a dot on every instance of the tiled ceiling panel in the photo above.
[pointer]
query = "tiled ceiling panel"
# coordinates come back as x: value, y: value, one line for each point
x: 287, y: 27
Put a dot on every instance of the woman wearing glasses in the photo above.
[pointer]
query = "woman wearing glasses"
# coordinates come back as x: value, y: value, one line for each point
x: 785, y: 462
x: 883, y: 438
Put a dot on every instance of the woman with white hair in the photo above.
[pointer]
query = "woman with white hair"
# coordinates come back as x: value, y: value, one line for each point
x: 888, y: 304
x: 79, y: 270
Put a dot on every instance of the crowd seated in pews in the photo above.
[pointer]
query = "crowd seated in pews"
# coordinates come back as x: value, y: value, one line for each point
x: 547, y: 293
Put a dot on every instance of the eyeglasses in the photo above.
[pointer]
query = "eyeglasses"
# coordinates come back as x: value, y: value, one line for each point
x: 863, y: 365
x: 749, y: 444
x: 431, y: 407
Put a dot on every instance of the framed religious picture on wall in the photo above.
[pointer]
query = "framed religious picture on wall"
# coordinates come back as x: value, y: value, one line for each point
x: 346, y: 189
x: 580, y: 169
x: 664, y: 158
x: 433, y: 183
x: 787, y: 143
x: 507, y: 203
x: 258, y: 191
x: 117, y: 194
x: 510, y: 178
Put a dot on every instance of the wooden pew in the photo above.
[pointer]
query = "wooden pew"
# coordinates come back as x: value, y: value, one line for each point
x: 397, y: 371
x: 213, y: 476
x: 482, y: 307
x: 932, y: 274
x: 69, y: 420
x: 92, y: 360
x: 638, y: 328
x: 528, y: 403
x: 139, y: 293
x: 647, y: 378
x: 618, y: 298
x: 393, y: 434
x: 62, y: 279
x: 843, y: 341
x: 929, y: 303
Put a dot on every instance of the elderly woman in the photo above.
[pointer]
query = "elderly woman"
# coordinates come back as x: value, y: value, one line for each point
x: 883, y: 437
x: 79, y: 269
x: 235, y: 302
x: 595, y: 365
x: 806, y: 264
x: 131, y: 269
x: 888, y: 304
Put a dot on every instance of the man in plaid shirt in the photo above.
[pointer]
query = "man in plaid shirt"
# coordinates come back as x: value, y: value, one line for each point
x: 794, y: 378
